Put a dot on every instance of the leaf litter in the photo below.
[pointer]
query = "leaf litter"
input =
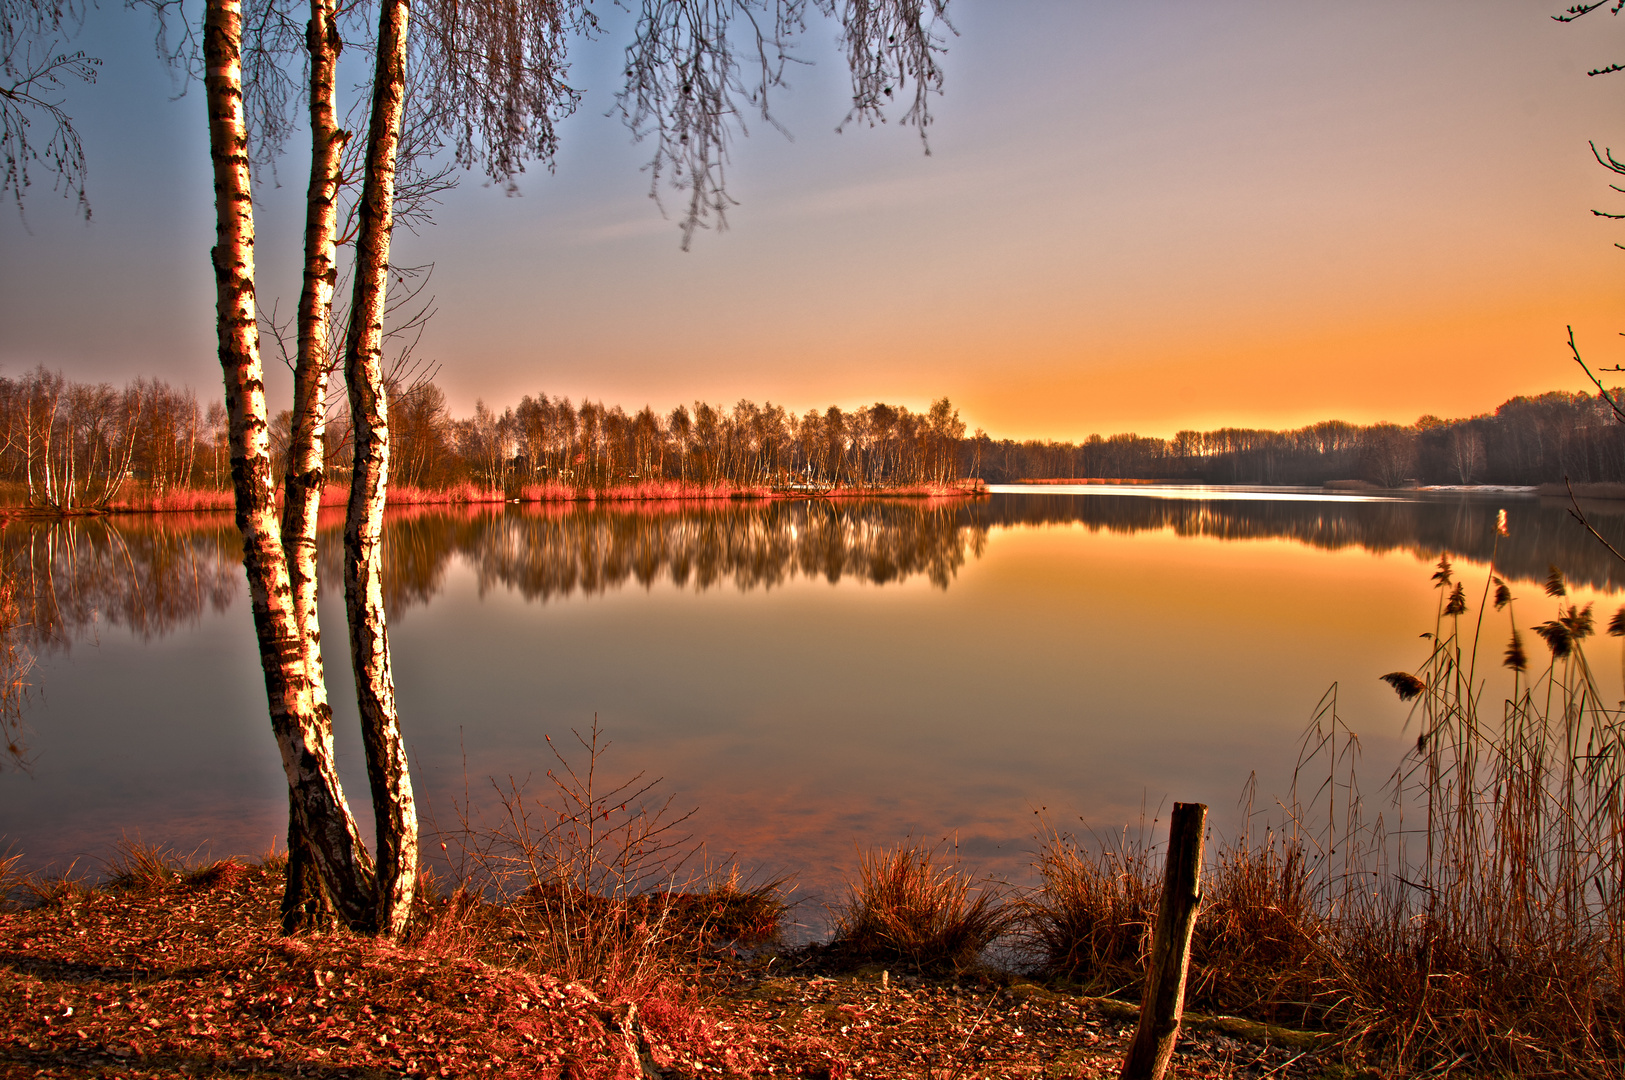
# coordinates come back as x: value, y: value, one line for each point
x: 190, y: 977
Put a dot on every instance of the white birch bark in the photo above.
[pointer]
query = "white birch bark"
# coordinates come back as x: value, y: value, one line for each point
x: 392, y: 802
x: 303, y: 481
x: 302, y: 726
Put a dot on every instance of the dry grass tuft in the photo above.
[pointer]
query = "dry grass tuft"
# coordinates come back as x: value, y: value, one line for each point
x: 12, y: 879
x: 143, y: 868
x: 224, y: 874
x: 906, y: 906
x: 1089, y: 919
x: 1258, y: 946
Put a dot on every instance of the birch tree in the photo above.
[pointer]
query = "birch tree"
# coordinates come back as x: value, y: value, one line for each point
x: 305, y: 894
x: 495, y: 85
x: 300, y: 717
x: 363, y: 527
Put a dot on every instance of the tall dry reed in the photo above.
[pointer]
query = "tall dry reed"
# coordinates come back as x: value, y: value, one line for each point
x: 1474, y: 926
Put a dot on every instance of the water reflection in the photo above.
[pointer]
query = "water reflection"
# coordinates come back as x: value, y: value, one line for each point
x: 145, y: 574
x: 1542, y: 533
x: 1048, y: 650
x: 550, y: 553
x: 151, y: 574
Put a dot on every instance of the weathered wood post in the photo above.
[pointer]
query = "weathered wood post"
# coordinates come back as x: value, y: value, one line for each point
x: 1164, y: 1000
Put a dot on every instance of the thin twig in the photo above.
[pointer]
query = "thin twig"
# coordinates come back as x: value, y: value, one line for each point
x: 1579, y: 515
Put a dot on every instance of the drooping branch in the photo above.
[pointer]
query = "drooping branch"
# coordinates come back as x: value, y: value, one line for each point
x: 689, y: 79
x: 35, y: 70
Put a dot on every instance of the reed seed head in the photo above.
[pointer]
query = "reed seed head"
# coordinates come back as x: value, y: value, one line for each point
x: 1442, y: 574
x: 1503, y: 595
x: 1579, y: 622
x: 1616, y: 625
x: 1501, y: 523
x: 1458, y: 600
x: 1406, y: 685
x: 1554, y: 582
x: 1515, y: 658
x: 1557, y: 637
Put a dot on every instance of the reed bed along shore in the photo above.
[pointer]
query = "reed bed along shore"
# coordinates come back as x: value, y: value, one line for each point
x: 141, y: 500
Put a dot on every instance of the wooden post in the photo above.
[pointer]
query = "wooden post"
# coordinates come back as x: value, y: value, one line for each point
x: 1164, y: 1001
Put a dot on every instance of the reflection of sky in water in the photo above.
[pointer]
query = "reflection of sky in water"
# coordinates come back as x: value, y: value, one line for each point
x: 1201, y: 492
x: 1217, y: 492
x: 1087, y: 666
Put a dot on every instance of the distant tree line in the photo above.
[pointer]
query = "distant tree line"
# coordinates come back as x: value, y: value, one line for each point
x: 69, y: 445
x: 1527, y: 440
x: 551, y: 440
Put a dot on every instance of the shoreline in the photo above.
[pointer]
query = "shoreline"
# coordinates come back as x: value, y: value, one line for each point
x: 191, y: 976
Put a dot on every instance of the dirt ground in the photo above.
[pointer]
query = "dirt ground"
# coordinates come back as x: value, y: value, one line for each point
x: 193, y: 979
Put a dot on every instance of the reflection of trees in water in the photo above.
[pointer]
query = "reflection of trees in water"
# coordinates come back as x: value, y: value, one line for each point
x: 152, y: 574
x: 1542, y: 533
x: 149, y: 574
x: 553, y: 552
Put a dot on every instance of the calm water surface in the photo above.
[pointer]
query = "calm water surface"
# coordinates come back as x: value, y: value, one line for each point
x: 811, y: 677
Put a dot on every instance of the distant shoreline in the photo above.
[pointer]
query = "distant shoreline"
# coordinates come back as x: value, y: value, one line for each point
x: 336, y: 495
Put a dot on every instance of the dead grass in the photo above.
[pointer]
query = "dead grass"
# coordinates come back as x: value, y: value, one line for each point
x: 1089, y: 918
x: 641, y: 491
x: 140, y: 499
x: 12, y: 879
x: 910, y: 905
x: 461, y: 494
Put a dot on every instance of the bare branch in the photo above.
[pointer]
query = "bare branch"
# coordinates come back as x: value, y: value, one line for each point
x: 1574, y: 12
x: 34, y: 73
x: 494, y: 77
x: 1579, y: 515
x: 1619, y: 413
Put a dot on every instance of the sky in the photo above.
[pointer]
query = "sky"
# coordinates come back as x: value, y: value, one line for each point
x: 1134, y: 217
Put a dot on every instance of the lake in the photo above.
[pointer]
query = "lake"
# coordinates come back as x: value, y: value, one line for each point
x: 810, y: 677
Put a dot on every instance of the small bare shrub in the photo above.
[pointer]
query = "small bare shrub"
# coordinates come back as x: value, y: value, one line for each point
x: 588, y: 883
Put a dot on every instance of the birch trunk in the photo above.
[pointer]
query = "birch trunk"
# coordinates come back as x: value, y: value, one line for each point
x: 301, y: 722
x: 302, y: 488
x: 393, y: 806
